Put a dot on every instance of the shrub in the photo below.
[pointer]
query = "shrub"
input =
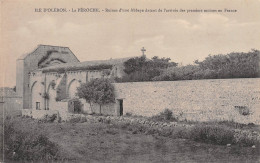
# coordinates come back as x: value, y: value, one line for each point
x: 232, y: 65
x: 107, y: 121
x: 83, y: 119
x: 243, y: 110
x: 134, y: 128
x: 231, y: 124
x: 128, y: 114
x: 151, y: 131
x: 75, y: 120
x: 165, y: 116
x: 48, y: 118
x: 165, y: 132
x: 212, y: 134
x: 181, y: 132
x: 22, y: 145
x: 219, y: 133
x: 246, y: 138
x: 124, y: 126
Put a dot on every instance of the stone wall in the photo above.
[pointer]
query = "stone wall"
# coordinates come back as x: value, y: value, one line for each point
x: 12, y: 103
x: 197, y: 100
x: 38, y: 114
x: 106, y: 109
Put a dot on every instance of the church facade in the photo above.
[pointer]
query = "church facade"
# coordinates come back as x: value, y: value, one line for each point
x: 48, y: 77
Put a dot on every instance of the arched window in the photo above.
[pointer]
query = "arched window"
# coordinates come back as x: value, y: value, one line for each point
x: 72, y: 88
x: 36, y: 96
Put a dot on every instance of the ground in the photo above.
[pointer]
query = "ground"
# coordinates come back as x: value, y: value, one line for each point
x: 101, y: 142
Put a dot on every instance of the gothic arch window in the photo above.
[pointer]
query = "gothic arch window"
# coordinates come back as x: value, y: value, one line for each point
x: 33, y: 85
x: 72, y: 88
x: 36, y: 96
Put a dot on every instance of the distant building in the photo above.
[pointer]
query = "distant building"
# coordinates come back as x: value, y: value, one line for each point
x: 9, y: 99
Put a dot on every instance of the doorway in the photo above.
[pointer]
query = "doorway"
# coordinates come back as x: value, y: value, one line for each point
x: 38, y: 106
x: 120, y: 107
x: 74, y: 106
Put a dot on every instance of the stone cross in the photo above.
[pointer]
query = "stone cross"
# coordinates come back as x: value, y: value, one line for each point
x: 143, y: 50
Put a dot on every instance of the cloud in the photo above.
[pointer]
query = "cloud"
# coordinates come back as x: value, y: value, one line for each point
x: 212, y: 19
x: 46, y: 24
x: 23, y: 31
x: 183, y: 39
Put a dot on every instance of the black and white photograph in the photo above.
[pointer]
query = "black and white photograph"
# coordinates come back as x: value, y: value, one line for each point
x: 133, y: 81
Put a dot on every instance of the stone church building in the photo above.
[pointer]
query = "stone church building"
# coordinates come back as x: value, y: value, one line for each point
x: 48, y: 77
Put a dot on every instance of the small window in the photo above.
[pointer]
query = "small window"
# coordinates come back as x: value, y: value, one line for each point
x: 38, y: 106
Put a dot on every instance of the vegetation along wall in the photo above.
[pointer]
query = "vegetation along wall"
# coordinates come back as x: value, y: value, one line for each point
x: 197, y: 100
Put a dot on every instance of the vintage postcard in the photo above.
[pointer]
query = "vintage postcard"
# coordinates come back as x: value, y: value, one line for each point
x: 130, y: 81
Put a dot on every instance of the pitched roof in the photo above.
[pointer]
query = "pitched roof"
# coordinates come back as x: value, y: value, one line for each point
x: 7, y: 92
x: 46, y: 47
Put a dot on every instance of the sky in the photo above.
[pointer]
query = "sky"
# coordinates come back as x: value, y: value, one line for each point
x: 182, y: 36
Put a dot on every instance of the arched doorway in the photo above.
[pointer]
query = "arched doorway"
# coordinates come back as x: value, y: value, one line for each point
x: 36, y: 96
x: 72, y: 89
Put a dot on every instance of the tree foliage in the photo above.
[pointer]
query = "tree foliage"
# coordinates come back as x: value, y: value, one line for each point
x: 143, y: 69
x: 233, y: 65
x: 99, y: 91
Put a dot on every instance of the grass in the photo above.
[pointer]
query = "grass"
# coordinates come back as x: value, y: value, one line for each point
x: 205, y: 133
x: 22, y: 142
x: 212, y: 134
x: 80, y: 141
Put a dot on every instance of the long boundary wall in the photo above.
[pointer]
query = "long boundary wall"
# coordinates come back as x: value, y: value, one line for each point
x: 197, y: 100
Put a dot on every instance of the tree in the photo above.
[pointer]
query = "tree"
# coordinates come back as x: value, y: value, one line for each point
x: 143, y: 69
x: 233, y: 65
x: 99, y: 91
x: 134, y: 64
